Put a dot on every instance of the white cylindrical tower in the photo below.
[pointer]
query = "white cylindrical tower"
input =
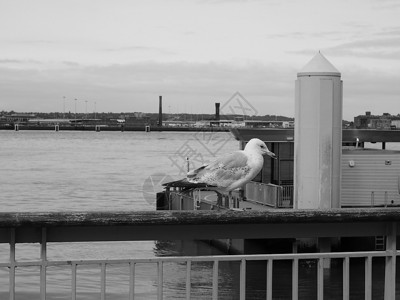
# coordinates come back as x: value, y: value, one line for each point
x: 318, y: 135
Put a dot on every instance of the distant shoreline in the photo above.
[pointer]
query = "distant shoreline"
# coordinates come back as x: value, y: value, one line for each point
x: 115, y: 128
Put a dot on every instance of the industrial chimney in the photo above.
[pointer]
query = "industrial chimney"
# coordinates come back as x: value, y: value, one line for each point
x: 217, y: 111
x: 318, y: 135
x: 160, y: 112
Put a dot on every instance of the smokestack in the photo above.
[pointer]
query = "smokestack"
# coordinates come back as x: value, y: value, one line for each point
x: 160, y: 112
x: 217, y: 111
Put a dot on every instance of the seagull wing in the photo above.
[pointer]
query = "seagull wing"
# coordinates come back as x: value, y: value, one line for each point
x: 223, y: 171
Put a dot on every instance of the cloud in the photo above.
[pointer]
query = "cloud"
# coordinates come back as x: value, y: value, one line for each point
x: 135, y: 87
x: 301, y: 35
x: 23, y: 62
x: 141, y: 49
x: 185, y: 87
x: 387, y: 4
x: 382, y: 45
x: 382, y: 48
x: 10, y: 61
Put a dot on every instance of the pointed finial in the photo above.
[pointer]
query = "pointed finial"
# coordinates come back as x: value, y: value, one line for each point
x: 318, y: 65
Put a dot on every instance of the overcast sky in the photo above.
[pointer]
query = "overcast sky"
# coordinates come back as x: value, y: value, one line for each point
x: 123, y: 54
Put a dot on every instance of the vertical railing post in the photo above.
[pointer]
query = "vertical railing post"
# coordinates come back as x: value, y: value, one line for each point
x: 160, y: 281
x: 188, y: 284
x: 269, y: 278
x: 295, y: 279
x: 43, y: 264
x: 368, y: 278
x: 346, y: 278
x: 320, y: 279
x: 131, y: 280
x: 215, y: 281
x: 73, y: 281
x: 390, y: 264
x: 243, y: 279
x: 103, y: 281
x: 279, y: 196
x: 12, y: 265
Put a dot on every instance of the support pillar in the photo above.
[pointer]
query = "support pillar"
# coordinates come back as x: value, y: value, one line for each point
x: 318, y: 136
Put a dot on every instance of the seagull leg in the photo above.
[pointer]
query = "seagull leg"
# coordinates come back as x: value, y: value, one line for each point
x: 219, y: 198
x: 197, y: 198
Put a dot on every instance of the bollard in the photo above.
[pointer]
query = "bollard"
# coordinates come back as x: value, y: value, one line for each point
x: 162, y: 201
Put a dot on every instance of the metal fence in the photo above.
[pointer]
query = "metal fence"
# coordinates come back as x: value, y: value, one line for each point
x: 263, y: 193
x: 46, y: 228
x: 272, y: 195
x: 216, y: 260
x: 286, y: 197
x: 276, y: 196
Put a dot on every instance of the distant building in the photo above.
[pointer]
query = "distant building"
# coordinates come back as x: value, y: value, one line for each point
x: 218, y: 123
x: 395, y: 124
x: 17, y: 118
x: 269, y: 124
x: 48, y: 122
x: 135, y: 119
x: 139, y: 115
x: 369, y: 121
x: 174, y: 123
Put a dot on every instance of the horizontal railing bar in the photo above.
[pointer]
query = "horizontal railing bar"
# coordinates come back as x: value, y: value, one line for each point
x: 123, y: 218
x: 67, y: 234
x: 228, y: 225
x: 254, y: 257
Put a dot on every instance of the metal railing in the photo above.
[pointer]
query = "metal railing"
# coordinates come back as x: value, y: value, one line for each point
x: 215, y: 260
x: 286, y: 197
x: 277, y: 196
x: 263, y: 193
x: 71, y: 227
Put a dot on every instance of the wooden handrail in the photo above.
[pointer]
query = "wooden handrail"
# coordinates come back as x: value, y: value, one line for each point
x: 142, y: 218
x: 29, y: 227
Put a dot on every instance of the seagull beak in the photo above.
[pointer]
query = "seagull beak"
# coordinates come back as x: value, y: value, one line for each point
x: 271, y: 154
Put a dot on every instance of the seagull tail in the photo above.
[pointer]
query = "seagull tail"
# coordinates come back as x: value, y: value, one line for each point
x: 194, y: 173
x: 186, y: 184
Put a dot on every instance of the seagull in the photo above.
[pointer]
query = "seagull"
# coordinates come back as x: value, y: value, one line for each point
x: 234, y: 170
x: 231, y: 171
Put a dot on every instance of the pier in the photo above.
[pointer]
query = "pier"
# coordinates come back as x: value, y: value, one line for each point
x: 62, y: 227
x: 97, y: 128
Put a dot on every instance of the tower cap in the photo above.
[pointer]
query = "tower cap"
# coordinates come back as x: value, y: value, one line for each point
x: 319, y: 66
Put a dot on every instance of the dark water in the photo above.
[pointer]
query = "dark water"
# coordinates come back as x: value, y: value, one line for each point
x: 114, y: 171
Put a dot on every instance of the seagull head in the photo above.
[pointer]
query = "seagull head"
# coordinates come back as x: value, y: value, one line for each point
x: 259, y: 146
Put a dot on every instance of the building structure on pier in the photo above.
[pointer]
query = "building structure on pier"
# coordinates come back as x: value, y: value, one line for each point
x: 320, y: 165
